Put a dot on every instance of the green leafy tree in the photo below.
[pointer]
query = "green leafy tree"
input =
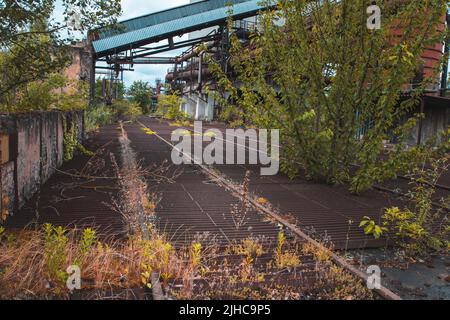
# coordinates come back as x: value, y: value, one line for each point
x: 169, y: 107
x: 120, y: 90
x: 34, y: 46
x: 141, y: 93
x: 315, y: 71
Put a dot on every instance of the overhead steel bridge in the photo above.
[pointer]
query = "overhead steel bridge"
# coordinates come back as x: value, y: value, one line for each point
x: 132, y: 36
x: 139, y: 40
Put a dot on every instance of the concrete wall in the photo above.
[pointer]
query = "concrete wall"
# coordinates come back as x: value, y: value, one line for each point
x: 198, y: 107
x: 36, y: 150
x: 81, y: 66
x: 7, y: 187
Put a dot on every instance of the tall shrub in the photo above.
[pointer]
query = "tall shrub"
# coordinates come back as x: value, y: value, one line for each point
x: 315, y: 71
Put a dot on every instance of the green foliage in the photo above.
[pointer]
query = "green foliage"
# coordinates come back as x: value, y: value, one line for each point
x: 169, y: 107
x: 123, y: 108
x: 34, y: 45
x: 140, y: 92
x: 82, y: 149
x: 284, y: 259
x: 371, y: 228
x: 196, y: 254
x: 421, y: 228
x: 55, y: 248
x: 120, y: 90
x: 96, y: 116
x: 2, y: 232
x: 98, y: 91
x: 101, y: 114
x: 280, y: 243
x: 327, y: 78
x: 87, y: 242
x: 70, y: 143
x: 54, y: 93
x: 115, y: 89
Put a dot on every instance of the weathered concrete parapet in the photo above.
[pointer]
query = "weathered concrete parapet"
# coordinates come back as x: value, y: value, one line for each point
x: 33, y: 147
x: 82, y: 61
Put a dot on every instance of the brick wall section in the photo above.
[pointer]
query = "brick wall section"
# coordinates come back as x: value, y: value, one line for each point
x: 39, y: 151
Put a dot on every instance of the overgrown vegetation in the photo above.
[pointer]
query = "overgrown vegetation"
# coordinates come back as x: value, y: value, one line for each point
x: 169, y: 107
x: 33, y: 264
x: 102, y: 114
x: 34, y: 46
x: 127, y: 109
x: 105, y: 90
x: 54, y: 93
x: 332, y: 86
x: 71, y: 142
x: 253, y: 269
x: 140, y: 93
x: 423, y: 226
x: 105, y: 110
x: 96, y: 116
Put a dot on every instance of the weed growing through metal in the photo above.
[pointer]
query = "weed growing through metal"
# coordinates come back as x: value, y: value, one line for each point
x: 240, y: 210
x: 33, y: 263
x: 372, y: 228
x: 285, y: 259
x: 249, y: 269
x: 422, y: 226
x: 196, y: 254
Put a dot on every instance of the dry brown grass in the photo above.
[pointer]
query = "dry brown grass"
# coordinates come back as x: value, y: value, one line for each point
x: 33, y: 263
x: 34, y: 266
x: 247, y: 270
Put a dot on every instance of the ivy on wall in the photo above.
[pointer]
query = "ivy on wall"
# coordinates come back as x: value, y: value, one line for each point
x: 71, y: 141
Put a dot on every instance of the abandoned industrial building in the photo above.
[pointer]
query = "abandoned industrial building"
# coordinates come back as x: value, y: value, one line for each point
x: 359, y: 125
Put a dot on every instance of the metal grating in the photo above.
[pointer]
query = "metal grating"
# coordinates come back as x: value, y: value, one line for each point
x: 171, y: 14
x: 150, y: 29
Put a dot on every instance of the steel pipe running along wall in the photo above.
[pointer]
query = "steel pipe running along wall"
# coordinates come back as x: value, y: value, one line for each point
x: 193, y: 53
x: 198, y: 72
x: 188, y: 74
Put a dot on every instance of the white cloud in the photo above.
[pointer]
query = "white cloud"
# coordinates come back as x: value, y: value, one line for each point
x: 132, y: 9
x: 136, y: 8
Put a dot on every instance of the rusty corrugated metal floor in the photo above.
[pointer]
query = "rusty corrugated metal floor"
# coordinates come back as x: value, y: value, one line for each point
x: 193, y: 207
x: 69, y: 201
x: 323, y: 211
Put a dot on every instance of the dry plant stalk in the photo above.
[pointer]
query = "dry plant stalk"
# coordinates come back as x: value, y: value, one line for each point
x: 240, y: 211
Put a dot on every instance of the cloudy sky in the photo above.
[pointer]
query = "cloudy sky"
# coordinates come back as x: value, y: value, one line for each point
x: 134, y: 8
